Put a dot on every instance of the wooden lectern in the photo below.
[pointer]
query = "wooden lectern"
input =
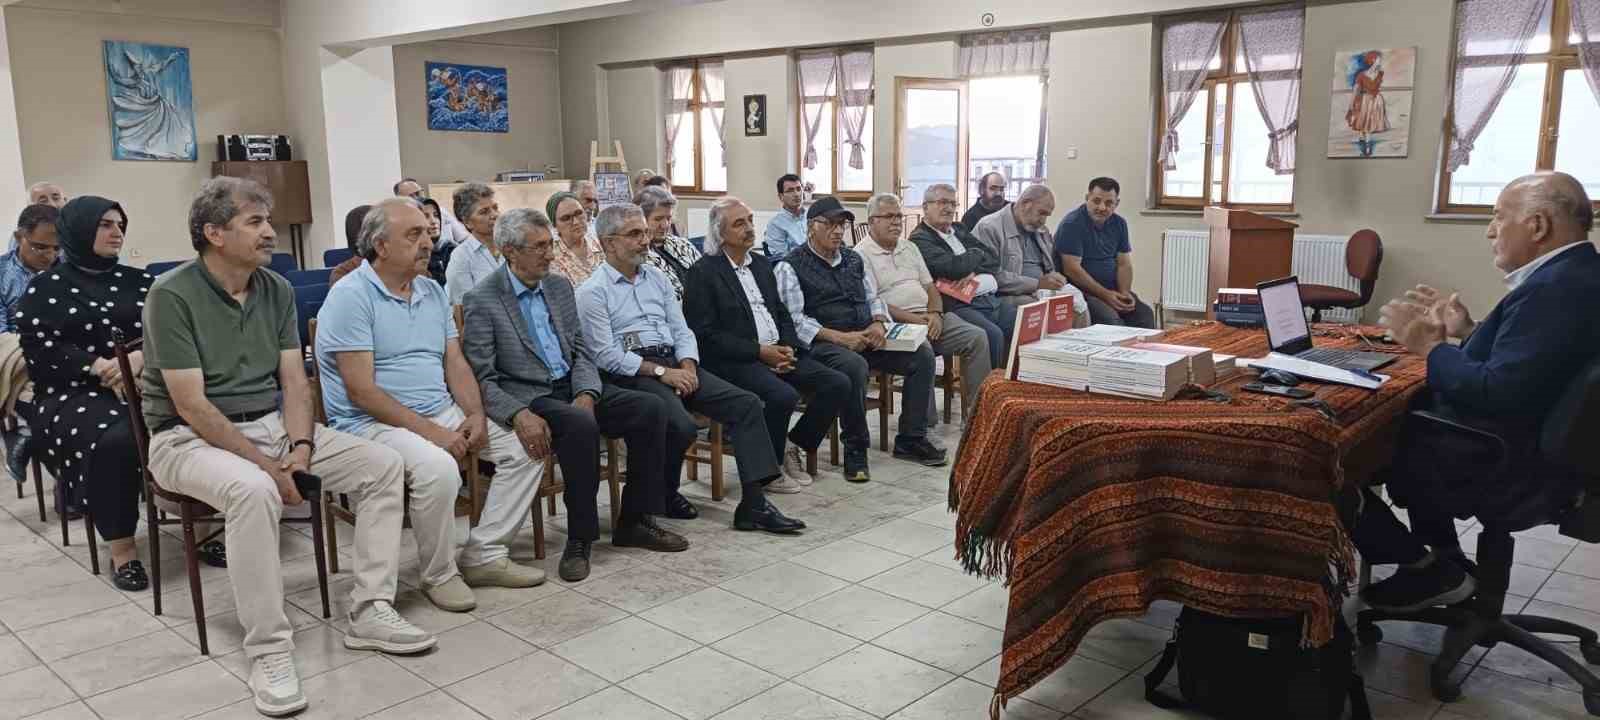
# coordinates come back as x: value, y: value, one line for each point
x: 1246, y: 248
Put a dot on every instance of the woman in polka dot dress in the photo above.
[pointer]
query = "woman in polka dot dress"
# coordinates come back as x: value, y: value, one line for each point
x: 66, y: 319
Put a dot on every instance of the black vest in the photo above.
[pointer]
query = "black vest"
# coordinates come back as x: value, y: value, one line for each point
x: 834, y: 295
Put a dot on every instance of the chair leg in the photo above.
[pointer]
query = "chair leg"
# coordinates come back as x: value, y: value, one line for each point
x: 475, y: 489
x: 538, y: 530
x: 551, y: 503
x: 191, y: 558
x: 885, y: 409
x: 330, y: 520
x: 811, y: 462
x: 1548, y: 652
x: 153, y: 525
x: 613, y: 485
x: 38, y: 489
x: 66, y: 540
x: 716, y: 462
x: 1553, y: 626
x: 318, y: 541
x: 949, y: 385
x: 833, y: 444
x: 88, y: 536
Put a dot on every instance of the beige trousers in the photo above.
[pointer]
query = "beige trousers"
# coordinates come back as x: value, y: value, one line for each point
x: 248, y: 498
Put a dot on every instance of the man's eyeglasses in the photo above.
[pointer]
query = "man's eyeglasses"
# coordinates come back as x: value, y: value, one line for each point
x: 887, y: 218
x: 943, y: 203
x: 630, y: 235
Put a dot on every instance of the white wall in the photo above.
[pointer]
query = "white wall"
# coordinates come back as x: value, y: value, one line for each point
x: 534, y: 90
x: 63, y: 121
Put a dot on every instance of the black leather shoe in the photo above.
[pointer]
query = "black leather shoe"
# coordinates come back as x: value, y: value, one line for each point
x: 920, y: 451
x: 679, y: 508
x: 214, y: 553
x: 762, y: 515
x: 650, y: 536
x: 575, y: 561
x: 131, y: 577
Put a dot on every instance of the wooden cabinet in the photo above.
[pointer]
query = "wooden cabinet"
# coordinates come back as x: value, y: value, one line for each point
x: 289, y: 181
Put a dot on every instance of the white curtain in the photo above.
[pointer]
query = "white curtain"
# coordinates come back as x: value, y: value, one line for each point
x: 1187, y: 46
x: 818, y: 74
x: 1272, y: 41
x: 1014, y: 52
x: 711, y: 92
x: 679, y: 83
x: 1492, y: 39
x: 855, y: 86
x: 1586, y: 23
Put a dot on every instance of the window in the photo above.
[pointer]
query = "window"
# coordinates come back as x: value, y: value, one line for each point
x: 694, y: 160
x: 1004, y: 135
x: 836, y: 103
x: 1222, y: 147
x: 1547, y: 95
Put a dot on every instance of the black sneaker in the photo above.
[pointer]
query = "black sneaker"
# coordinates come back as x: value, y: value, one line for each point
x: 130, y: 577
x: 214, y: 553
x: 855, y: 465
x: 919, y: 450
x: 575, y: 561
x: 1437, y: 581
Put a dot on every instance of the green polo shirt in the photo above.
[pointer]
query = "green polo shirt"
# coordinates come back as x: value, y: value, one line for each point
x: 192, y: 322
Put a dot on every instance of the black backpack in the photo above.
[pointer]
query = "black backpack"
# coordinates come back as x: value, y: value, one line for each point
x: 1257, y: 670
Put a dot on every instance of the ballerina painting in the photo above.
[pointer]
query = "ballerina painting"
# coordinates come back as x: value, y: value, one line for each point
x: 151, y: 101
x: 1371, y: 103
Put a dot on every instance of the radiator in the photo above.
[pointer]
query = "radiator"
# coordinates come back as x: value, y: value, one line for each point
x: 1318, y: 259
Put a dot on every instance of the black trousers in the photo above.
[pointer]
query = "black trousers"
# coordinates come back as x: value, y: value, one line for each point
x: 639, y: 419
x: 916, y: 367
x: 114, y: 481
x: 781, y: 394
x: 738, y: 410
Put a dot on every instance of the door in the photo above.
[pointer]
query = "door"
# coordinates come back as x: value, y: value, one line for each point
x: 930, y: 144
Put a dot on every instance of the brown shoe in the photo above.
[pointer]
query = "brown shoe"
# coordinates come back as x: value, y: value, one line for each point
x: 650, y: 536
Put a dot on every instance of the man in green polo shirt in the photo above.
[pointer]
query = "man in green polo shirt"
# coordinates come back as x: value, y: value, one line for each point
x: 229, y: 410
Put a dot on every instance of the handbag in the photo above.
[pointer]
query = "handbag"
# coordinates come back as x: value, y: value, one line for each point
x: 1254, y: 669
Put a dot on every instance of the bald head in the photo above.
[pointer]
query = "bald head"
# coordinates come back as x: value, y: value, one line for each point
x: 1033, y: 207
x: 1561, y: 197
x: 1536, y: 214
x: 47, y: 193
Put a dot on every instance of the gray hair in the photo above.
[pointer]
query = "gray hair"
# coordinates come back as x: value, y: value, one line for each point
x: 218, y: 201
x: 1560, y: 195
x: 877, y: 201
x: 581, y: 185
x: 719, y: 208
x: 375, y: 224
x: 468, y: 195
x: 653, y: 198
x: 938, y: 187
x: 511, y: 230
x: 613, y: 218
x: 1035, y: 193
x: 42, y: 184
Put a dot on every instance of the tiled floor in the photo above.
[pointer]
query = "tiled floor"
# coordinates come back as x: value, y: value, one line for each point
x: 865, y: 616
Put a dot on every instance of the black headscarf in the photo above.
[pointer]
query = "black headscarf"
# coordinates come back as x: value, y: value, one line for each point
x: 77, y: 227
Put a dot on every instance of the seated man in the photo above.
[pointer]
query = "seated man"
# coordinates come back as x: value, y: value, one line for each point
x: 392, y: 372
x: 1505, y: 375
x: 905, y: 285
x: 221, y: 348
x: 639, y: 339
x: 35, y: 251
x: 991, y: 198
x: 954, y: 255
x: 747, y: 337
x: 525, y: 343
x: 834, y: 303
x: 1096, y: 257
x: 1018, y: 237
x: 787, y: 230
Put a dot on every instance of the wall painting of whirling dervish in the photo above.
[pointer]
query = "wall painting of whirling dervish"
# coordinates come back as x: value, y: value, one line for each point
x: 151, y: 101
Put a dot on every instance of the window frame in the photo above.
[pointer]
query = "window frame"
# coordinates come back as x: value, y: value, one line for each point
x: 1562, y: 57
x: 695, y: 107
x: 833, y: 113
x: 1226, y: 79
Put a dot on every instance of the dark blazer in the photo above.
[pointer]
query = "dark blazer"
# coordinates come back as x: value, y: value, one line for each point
x: 1512, y: 369
x: 946, y: 265
x: 715, y: 306
x: 499, y: 346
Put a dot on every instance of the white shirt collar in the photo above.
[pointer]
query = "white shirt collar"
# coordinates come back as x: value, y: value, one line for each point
x: 1517, y: 277
x: 749, y: 257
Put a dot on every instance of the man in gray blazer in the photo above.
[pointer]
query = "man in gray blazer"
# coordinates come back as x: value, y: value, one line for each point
x: 524, y: 343
x: 1017, y: 234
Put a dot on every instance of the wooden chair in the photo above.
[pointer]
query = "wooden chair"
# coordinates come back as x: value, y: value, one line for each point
x: 37, y: 470
x: 883, y: 402
x: 338, y: 508
x: 551, y: 486
x: 950, y: 382
x: 188, y: 509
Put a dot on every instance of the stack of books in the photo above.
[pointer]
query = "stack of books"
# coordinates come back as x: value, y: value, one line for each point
x: 1239, y: 307
x: 1057, y: 361
x: 1109, y: 335
x: 904, y: 337
x: 1226, y: 365
x: 1201, y: 365
x: 1135, y: 373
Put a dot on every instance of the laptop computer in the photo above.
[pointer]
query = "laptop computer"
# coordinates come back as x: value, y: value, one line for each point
x: 1288, y: 332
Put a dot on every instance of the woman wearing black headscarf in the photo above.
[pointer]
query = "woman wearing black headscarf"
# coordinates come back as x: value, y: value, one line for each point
x: 66, y: 319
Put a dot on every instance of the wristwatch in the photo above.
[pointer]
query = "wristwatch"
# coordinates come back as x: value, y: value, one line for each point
x: 306, y: 442
x: 661, y: 371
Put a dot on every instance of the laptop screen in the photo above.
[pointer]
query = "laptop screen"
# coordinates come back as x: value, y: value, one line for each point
x: 1287, y: 330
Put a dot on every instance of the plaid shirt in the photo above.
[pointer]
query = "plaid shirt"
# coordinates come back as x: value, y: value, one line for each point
x: 14, y: 279
x: 794, y: 298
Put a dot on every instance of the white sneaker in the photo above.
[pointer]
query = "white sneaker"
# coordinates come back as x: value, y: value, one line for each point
x: 276, y: 685
x: 794, y: 466
x: 783, y: 485
x: 379, y: 627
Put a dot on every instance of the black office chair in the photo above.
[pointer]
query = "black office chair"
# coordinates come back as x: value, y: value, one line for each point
x: 1566, y: 444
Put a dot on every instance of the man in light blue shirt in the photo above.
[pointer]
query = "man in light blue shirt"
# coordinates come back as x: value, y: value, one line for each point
x: 787, y: 230
x: 392, y: 371
x: 633, y: 325
x: 36, y: 250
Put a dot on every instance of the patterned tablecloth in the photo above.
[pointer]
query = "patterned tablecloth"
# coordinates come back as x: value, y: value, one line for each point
x: 1093, y: 506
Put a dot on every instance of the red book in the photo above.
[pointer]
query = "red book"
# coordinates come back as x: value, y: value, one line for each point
x: 1029, y: 328
x: 1061, y: 314
x: 963, y: 290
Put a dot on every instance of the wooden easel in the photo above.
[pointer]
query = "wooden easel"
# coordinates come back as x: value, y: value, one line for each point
x: 614, y: 163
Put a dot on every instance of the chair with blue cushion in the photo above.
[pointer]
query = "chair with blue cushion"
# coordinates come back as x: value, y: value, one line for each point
x: 336, y: 256
x: 307, y: 302
x: 156, y: 268
x: 283, y: 263
x: 304, y: 278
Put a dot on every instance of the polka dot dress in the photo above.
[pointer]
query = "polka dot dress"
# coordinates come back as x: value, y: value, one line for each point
x: 66, y: 319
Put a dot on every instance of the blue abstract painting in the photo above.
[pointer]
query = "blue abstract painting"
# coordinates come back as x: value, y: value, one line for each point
x: 467, y: 98
x: 151, y: 101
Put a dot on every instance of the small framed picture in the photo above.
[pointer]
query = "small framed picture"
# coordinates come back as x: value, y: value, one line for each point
x: 755, y: 115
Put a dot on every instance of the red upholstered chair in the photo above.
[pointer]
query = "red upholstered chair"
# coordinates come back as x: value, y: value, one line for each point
x: 1362, y: 256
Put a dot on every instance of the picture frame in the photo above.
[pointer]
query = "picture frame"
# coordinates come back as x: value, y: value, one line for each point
x: 754, y: 109
x: 467, y: 98
x: 150, y: 99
